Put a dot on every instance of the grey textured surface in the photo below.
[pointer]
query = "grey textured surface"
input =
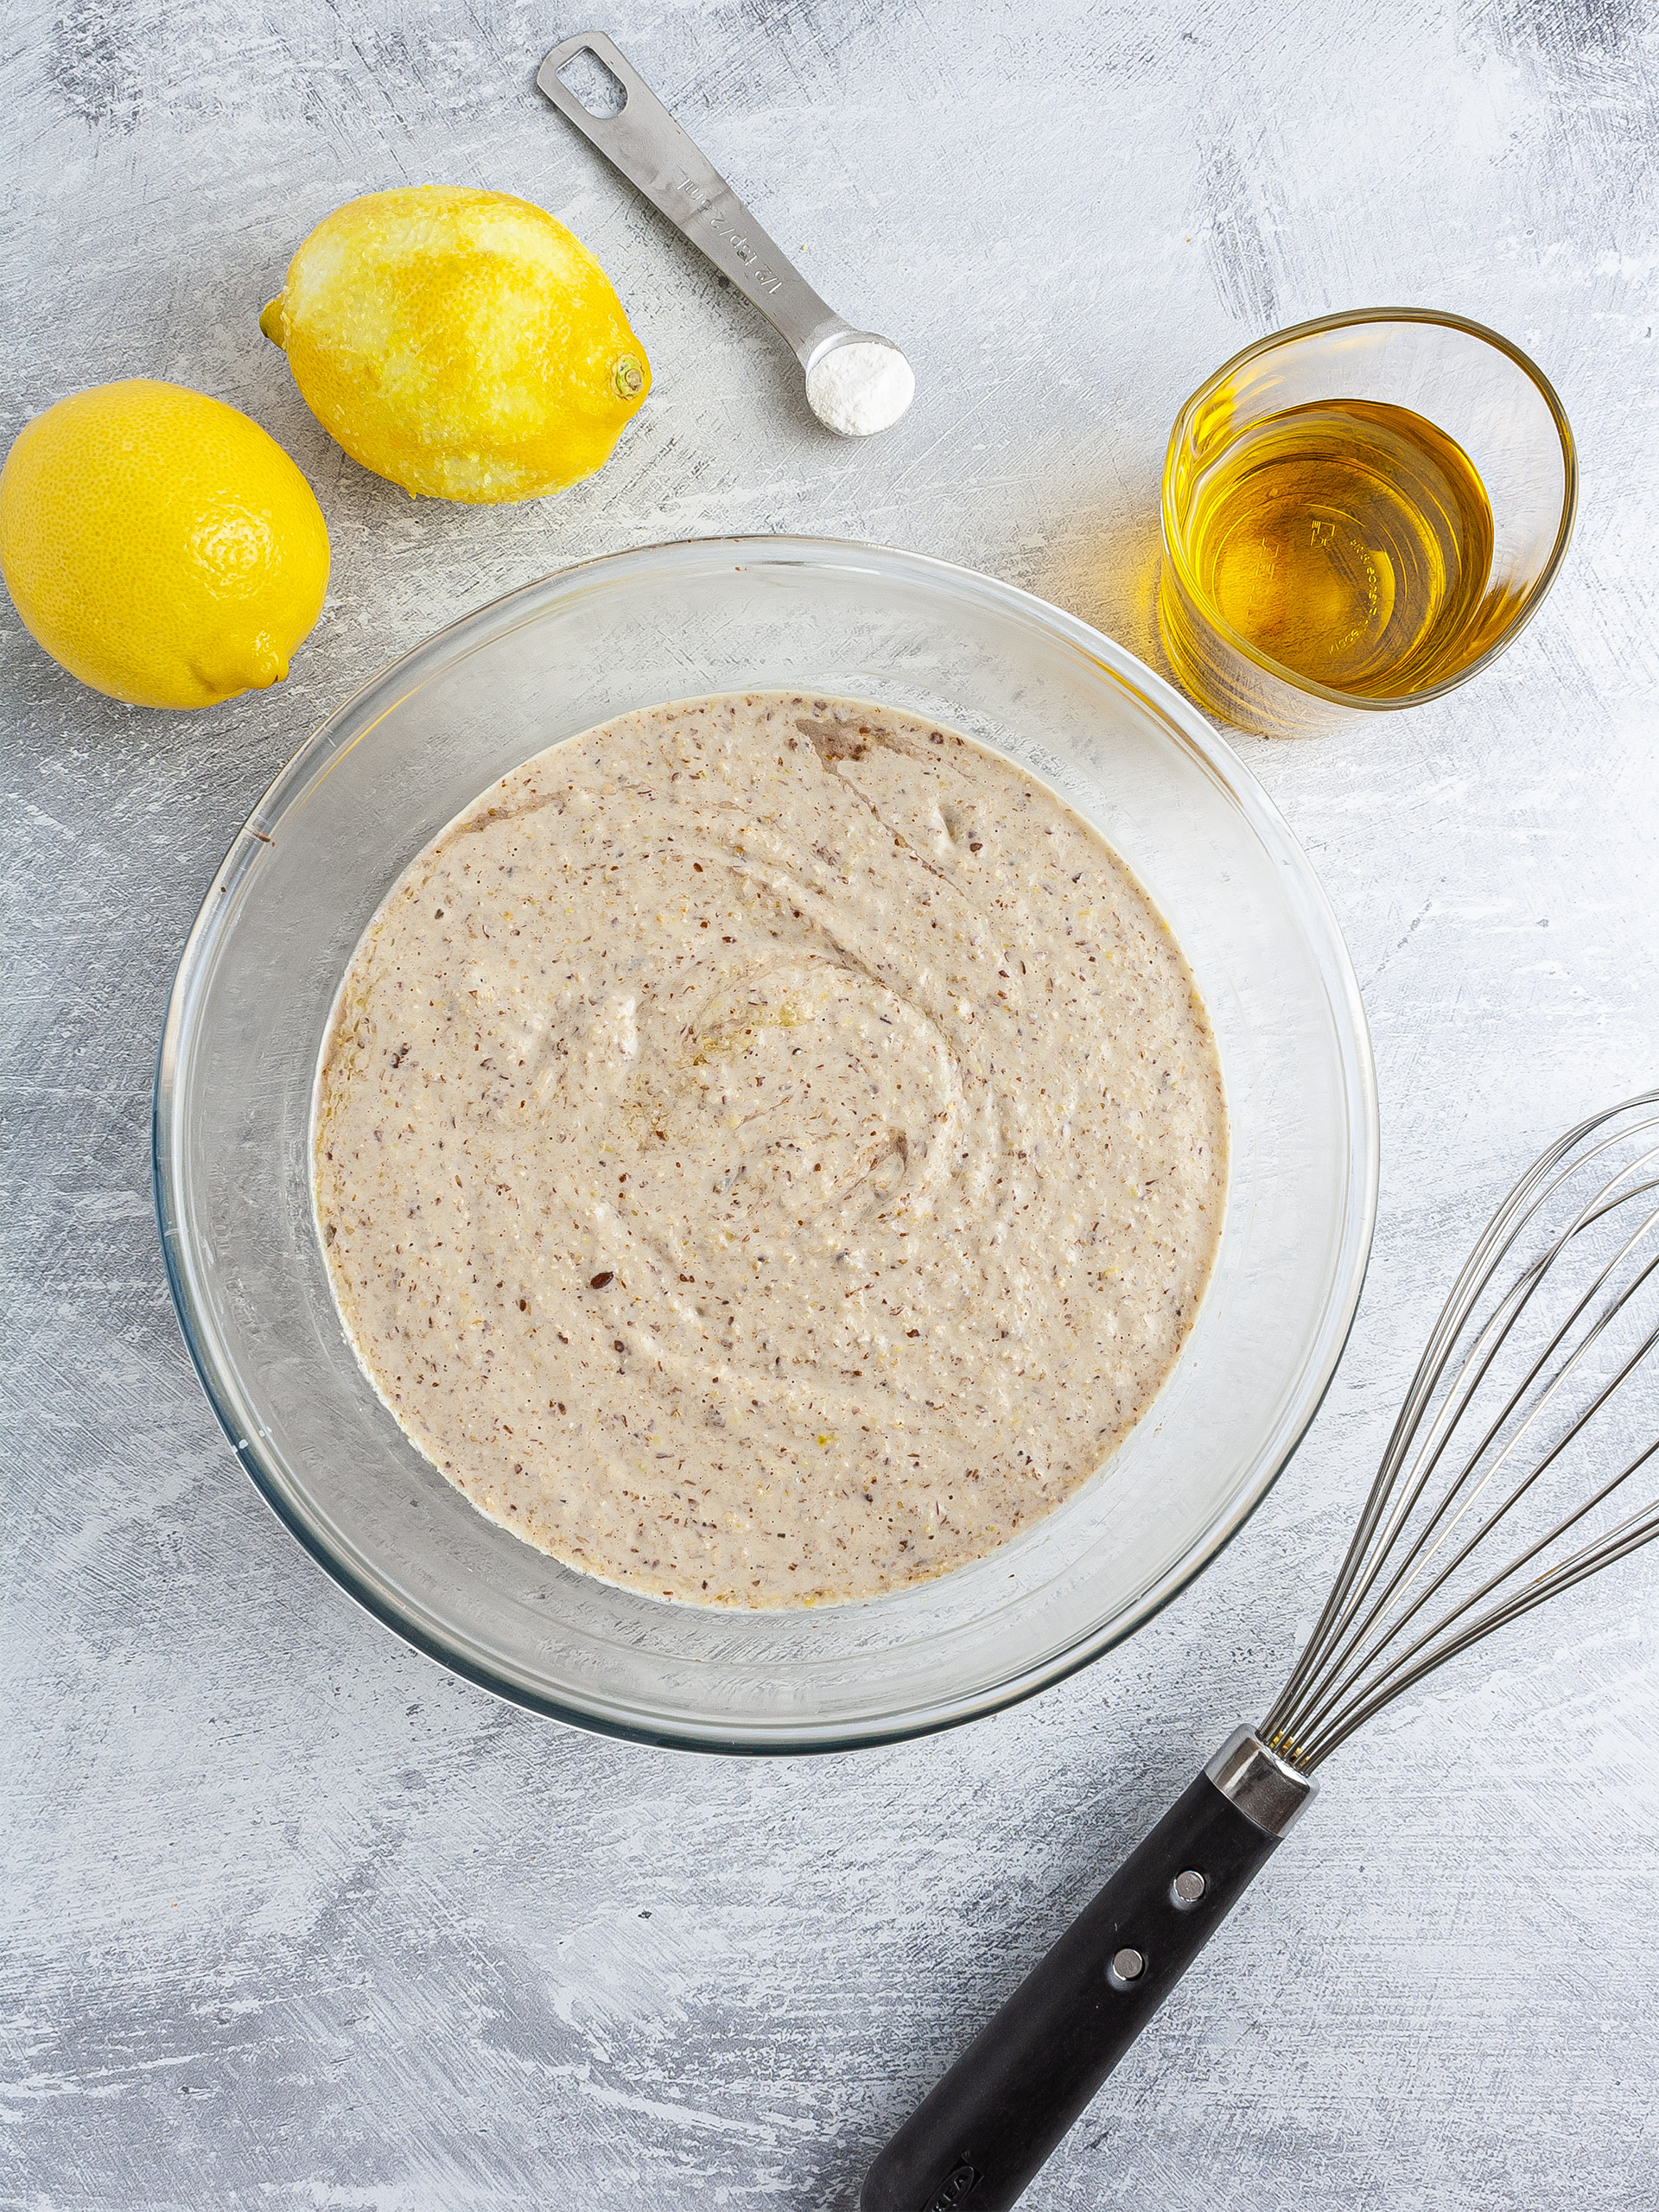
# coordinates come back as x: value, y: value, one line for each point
x: 292, y: 1919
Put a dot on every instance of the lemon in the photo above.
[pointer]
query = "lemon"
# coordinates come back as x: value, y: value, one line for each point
x: 159, y: 545
x: 460, y: 342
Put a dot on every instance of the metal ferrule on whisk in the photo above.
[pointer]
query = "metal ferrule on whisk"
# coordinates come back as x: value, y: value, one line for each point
x: 1265, y: 1789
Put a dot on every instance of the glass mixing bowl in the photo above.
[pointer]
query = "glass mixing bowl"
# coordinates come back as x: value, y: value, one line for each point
x: 387, y: 772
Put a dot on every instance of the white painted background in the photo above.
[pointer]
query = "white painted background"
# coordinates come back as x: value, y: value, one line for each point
x: 292, y: 1919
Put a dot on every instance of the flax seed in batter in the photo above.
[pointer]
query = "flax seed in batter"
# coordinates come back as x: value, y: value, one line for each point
x: 769, y: 1150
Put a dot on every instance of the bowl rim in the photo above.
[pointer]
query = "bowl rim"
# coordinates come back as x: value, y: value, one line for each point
x: 1347, y: 319
x: 364, y: 708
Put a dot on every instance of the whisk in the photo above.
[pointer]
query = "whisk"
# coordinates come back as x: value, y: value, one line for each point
x: 1504, y: 1481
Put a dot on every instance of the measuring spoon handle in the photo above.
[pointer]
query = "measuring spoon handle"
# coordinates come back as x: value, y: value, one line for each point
x: 644, y: 141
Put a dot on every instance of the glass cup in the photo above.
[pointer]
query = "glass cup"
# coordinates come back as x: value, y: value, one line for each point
x: 1476, y: 390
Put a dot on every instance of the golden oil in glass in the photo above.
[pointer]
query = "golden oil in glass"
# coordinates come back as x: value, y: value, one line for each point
x: 1349, y: 541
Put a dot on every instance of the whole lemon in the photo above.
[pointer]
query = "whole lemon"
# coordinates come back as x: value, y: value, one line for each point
x: 159, y: 545
x: 460, y: 342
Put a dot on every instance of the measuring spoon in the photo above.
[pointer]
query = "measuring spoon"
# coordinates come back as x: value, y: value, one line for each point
x: 856, y: 382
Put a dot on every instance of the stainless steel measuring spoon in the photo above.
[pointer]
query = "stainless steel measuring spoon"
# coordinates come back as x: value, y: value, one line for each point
x: 856, y: 382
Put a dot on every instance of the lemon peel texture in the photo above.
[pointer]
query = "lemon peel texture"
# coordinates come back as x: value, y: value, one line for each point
x: 460, y: 342
x: 159, y: 545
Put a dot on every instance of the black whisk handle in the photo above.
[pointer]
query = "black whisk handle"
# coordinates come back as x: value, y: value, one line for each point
x: 975, y: 2142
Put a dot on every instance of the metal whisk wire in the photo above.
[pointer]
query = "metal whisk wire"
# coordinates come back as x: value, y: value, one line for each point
x: 1407, y: 1546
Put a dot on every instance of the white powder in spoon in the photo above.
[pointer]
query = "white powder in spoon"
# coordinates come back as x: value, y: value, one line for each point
x: 860, y: 387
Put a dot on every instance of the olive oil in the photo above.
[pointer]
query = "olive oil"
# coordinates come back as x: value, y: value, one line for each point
x: 1349, y: 541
